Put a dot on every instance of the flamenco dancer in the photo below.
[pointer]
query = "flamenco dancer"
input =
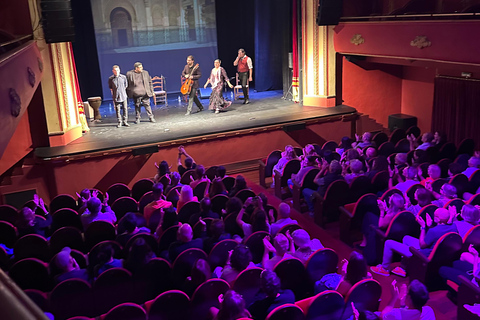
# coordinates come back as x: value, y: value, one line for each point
x: 217, y: 78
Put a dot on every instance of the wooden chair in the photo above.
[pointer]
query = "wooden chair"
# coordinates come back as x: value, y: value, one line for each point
x: 63, y: 201
x: 159, y: 90
x: 387, y: 194
x: 286, y: 312
x: 231, y: 225
x: 320, y: 263
x: 294, y: 276
x: 116, y: 191
x: 289, y: 227
x: 471, y: 237
x: 93, y: 253
x: 380, y: 182
x: 248, y: 284
x: 255, y: 243
x: 425, y: 269
x: 72, y: 297
x: 31, y: 273
x: 444, y: 164
x: 474, y: 182
x: 141, y: 187
x: 329, y: 145
x: 281, y: 178
x: 237, y: 89
x: 411, y: 192
x: 174, y: 195
x: 326, y: 209
x: 167, y: 237
x: 170, y: 305
x: 265, y: 169
x: 206, y: 296
x: 351, y: 219
x: 126, y: 311
x: 219, y: 254
x: 307, y: 182
x: 475, y: 200
x: 66, y: 237
x: 437, y: 184
x: 149, y: 239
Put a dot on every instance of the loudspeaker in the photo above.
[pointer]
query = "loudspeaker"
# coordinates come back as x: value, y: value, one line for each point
x: 290, y: 60
x: 329, y: 12
x: 205, y: 93
x: 402, y: 121
x: 57, y: 21
x: 145, y: 150
x: 294, y: 126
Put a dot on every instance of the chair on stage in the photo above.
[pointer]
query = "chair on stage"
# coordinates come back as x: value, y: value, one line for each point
x: 160, y: 94
x: 237, y: 89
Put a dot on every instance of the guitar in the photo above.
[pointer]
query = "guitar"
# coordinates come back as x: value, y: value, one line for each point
x: 187, y: 85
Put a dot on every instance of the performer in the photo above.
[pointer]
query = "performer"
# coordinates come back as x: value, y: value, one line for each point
x: 140, y: 89
x: 195, y: 75
x: 218, y: 76
x: 244, y: 68
x: 118, y: 86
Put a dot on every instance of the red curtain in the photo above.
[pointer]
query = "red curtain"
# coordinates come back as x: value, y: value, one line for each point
x: 456, y: 108
x: 295, y: 93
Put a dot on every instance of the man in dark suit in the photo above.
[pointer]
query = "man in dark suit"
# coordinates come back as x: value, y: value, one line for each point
x: 140, y: 89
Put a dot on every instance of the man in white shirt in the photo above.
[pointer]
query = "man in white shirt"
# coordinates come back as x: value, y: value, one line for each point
x: 473, y: 165
x: 283, y: 219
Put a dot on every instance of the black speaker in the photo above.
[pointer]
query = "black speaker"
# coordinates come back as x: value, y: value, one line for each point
x: 57, y: 21
x: 294, y: 126
x: 402, y: 121
x: 329, y: 12
x: 145, y: 150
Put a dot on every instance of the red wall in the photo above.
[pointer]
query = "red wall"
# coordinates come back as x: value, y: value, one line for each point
x: 375, y: 92
x: 15, y: 17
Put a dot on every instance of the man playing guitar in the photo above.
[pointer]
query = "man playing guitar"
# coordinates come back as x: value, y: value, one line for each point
x: 192, y: 72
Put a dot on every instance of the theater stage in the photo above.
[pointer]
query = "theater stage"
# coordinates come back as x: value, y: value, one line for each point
x: 266, y: 111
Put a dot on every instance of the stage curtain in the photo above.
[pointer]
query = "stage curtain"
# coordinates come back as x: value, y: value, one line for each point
x: 295, y: 93
x: 455, y: 108
x: 272, y: 43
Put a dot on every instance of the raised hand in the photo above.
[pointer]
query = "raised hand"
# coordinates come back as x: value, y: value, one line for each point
x: 429, y: 220
x: 472, y: 250
x: 421, y: 222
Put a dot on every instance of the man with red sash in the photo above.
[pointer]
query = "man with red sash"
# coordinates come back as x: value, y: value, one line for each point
x: 244, y: 68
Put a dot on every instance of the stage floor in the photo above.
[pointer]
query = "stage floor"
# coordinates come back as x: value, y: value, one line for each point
x: 265, y: 108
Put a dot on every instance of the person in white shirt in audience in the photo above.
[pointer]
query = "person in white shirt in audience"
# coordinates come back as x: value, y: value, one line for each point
x: 282, y: 248
x: 366, y: 140
x: 447, y: 193
x: 283, y: 219
x: 410, y: 174
x: 473, y: 165
x: 427, y: 141
x: 470, y: 215
x: 356, y: 169
x: 305, y: 246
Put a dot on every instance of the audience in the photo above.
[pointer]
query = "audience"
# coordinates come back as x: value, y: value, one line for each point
x: 217, y: 234
x: 169, y: 219
x: 305, y: 247
x: 94, y: 212
x: 158, y: 203
x: 200, y: 176
x: 287, y: 155
x: 470, y: 216
x: 427, y: 141
x: 259, y: 219
x: 410, y: 174
x: 270, y: 296
x: 162, y: 169
x: 365, y: 141
x: 205, y: 212
x: 239, y: 259
x: 186, y: 195
x: 139, y: 254
x: 283, y: 219
x: 282, y: 248
x: 221, y: 172
x: 423, y: 198
x: 106, y: 260
x: 345, y: 144
x: 240, y: 184
x: 189, y: 162
x: 201, y: 272
x: 232, y: 306
x: 184, y: 241
x: 217, y: 187
x: 130, y: 226
x: 434, y: 172
x: 29, y: 223
x: 473, y: 165
x: 174, y: 182
x: 447, y: 193
x: 68, y: 267
x: 439, y: 139
x: 356, y: 170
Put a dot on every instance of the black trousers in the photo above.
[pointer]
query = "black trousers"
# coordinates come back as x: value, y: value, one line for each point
x: 243, y: 77
x: 192, y: 97
x: 145, y: 100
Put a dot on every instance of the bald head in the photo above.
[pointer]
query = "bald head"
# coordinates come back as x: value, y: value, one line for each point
x: 441, y: 215
x: 283, y: 210
x: 185, y: 233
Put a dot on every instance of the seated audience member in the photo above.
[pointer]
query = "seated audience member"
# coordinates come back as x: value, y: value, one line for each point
x: 240, y: 184
x: 467, y: 266
x: 82, y: 199
x: 287, y: 155
x: 380, y: 164
x: 423, y: 197
x: 419, y: 156
x: 186, y: 195
x: 473, y: 165
x: 200, y: 176
x: 69, y: 267
x: 439, y: 139
x: 201, y: 272
x: 205, y: 212
x: 425, y: 243
x: 217, y: 187
x: 259, y: 219
x: 158, y: 203
x: 270, y: 296
x: 455, y: 168
x: 369, y: 153
x: 217, y: 232
x: 184, y: 241
x: 189, y: 162
x: 169, y: 219
x: 434, y: 172
x: 470, y: 215
x: 447, y: 193
x: 365, y: 141
x: 310, y: 162
x: 106, y: 260
x: 174, y: 182
x: 233, y: 205
x: 345, y: 144
x: 305, y: 247
x: 162, y: 169
x: 282, y: 248
x: 138, y: 255
x: 412, y: 303
x: 28, y: 223
x: 309, y: 150
x: 232, y: 306
x: 410, y: 174
x: 401, y: 161
x: 239, y: 260
x: 352, y: 271
x: 94, y: 212
x: 356, y: 170
x: 325, y: 177
x: 221, y: 172
x: 283, y: 218
x: 427, y: 141
x: 130, y: 225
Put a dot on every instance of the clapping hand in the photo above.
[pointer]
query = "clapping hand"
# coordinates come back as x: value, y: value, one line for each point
x: 429, y: 220
x: 105, y: 200
x: 421, y: 222
x: 472, y: 250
